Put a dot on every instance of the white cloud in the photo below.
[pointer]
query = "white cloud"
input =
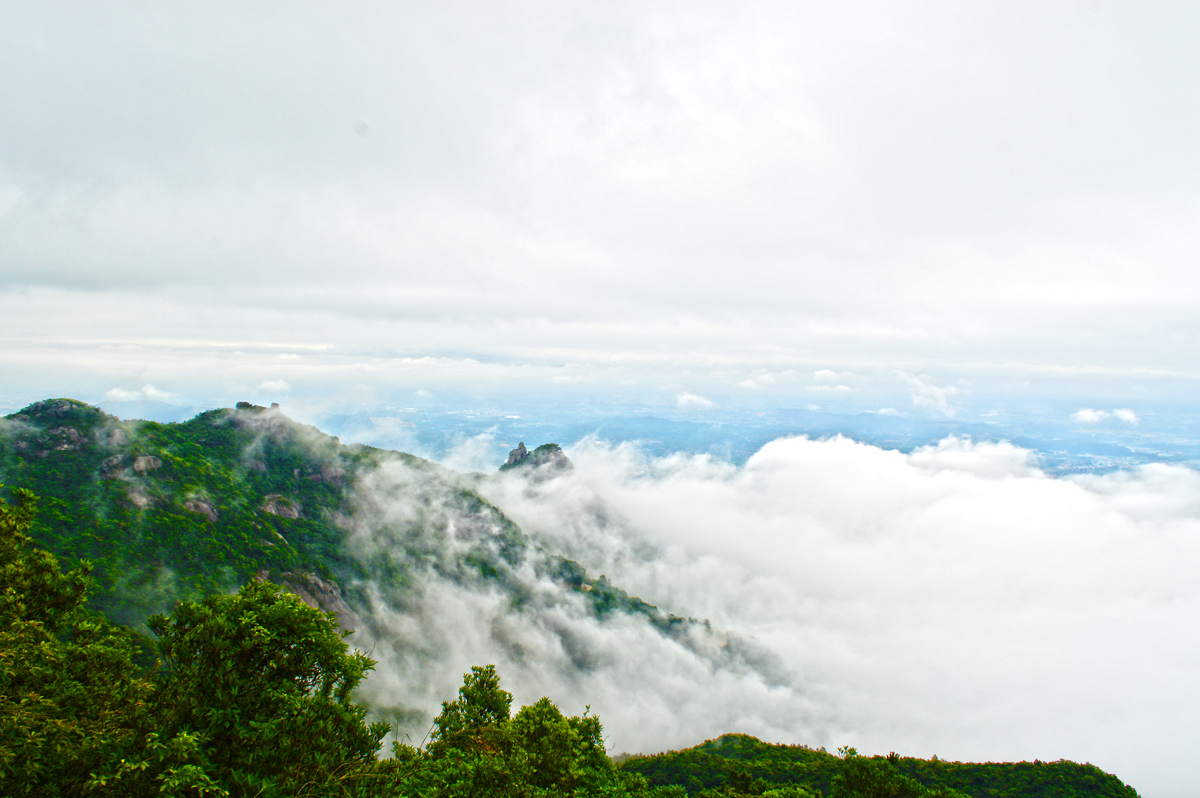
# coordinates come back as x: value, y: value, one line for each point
x: 926, y: 394
x: 688, y: 400
x: 150, y: 392
x: 888, y: 411
x: 274, y: 386
x: 768, y: 379
x: 146, y: 392
x: 829, y: 375
x: 955, y: 601
x: 122, y: 395
x: 829, y: 389
x: 1089, y: 415
x: 1127, y: 415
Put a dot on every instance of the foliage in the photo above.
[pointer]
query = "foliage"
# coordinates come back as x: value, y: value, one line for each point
x: 863, y: 777
x: 70, y: 698
x: 480, y: 704
x: 265, y: 680
x: 253, y: 696
x: 741, y: 764
x: 478, y: 749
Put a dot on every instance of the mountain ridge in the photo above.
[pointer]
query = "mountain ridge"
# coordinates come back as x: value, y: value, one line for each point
x: 273, y: 494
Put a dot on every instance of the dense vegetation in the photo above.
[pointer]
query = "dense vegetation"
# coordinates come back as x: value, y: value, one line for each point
x: 169, y: 511
x: 749, y: 765
x: 166, y: 512
x: 243, y: 689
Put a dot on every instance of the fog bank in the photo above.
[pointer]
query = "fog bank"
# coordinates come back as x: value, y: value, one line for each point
x: 954, y: 601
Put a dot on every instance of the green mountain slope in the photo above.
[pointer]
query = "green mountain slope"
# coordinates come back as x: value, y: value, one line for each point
x: 406, y: 552
x: 738, y: 759
x: 173, y: 511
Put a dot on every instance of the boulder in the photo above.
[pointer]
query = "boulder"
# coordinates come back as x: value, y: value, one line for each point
x: 146, y: 463
x: 113, y: 467
x: 201, y: 507
x: 279, y: 505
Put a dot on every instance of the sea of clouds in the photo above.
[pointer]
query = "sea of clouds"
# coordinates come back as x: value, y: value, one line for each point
x: 954, y: 601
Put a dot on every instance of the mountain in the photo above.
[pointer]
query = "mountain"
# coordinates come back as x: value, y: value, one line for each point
x: 168, y: 511
x: 431, y: 577
x: 408, y: 553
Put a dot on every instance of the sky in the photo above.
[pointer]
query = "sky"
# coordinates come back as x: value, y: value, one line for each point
x: 926, y: 211
x: 631, y: 205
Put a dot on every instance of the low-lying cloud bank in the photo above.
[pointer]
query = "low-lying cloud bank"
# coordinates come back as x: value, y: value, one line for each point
x: 953, y: 601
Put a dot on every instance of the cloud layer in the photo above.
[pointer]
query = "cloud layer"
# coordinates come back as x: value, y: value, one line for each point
x: 955, y: 601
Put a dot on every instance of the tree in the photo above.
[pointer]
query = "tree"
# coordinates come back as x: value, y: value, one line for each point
x: 70, y: 698
x: 478, y: 750
x: 874, y: 777
x: 253, y: 697
x: 563, y: 753
x: 480, y: 703
x: 265, y: 682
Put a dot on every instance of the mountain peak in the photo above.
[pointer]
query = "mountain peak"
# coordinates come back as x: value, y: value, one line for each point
x: 549, y: 455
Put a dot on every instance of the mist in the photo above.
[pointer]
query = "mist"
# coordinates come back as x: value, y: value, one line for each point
x: 955, y: 601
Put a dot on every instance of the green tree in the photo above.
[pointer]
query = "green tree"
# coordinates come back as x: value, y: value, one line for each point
x: 563, y: 753
x: 70, y: 696
x: 480, y: 703
x: 265, y: 683
x: 478, y: 750
x: 874, y: 777
x: 254, y: 696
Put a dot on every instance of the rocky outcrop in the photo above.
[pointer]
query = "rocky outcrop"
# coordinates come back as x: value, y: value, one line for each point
x: 65, y: 439
x: 545, y: 459
x: 517, y: 455
x: 113, y: 467
x: 324, y: 594
x: 280, y: 505
x: 146, y: 463
x: 201, y: 507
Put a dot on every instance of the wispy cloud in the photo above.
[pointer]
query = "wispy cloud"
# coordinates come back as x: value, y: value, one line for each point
x: 928, y: 395
x: 1127, y: 415
x: 688, y: 400
x: 146, y: 392
x: 1089, y: 415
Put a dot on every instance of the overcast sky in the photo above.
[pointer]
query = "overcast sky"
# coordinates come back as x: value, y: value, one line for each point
x: 646, y: 199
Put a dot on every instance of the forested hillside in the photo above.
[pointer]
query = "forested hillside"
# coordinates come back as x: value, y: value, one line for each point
x: 172, y: 511
x: 737, y: 761
x: 177, y: 600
